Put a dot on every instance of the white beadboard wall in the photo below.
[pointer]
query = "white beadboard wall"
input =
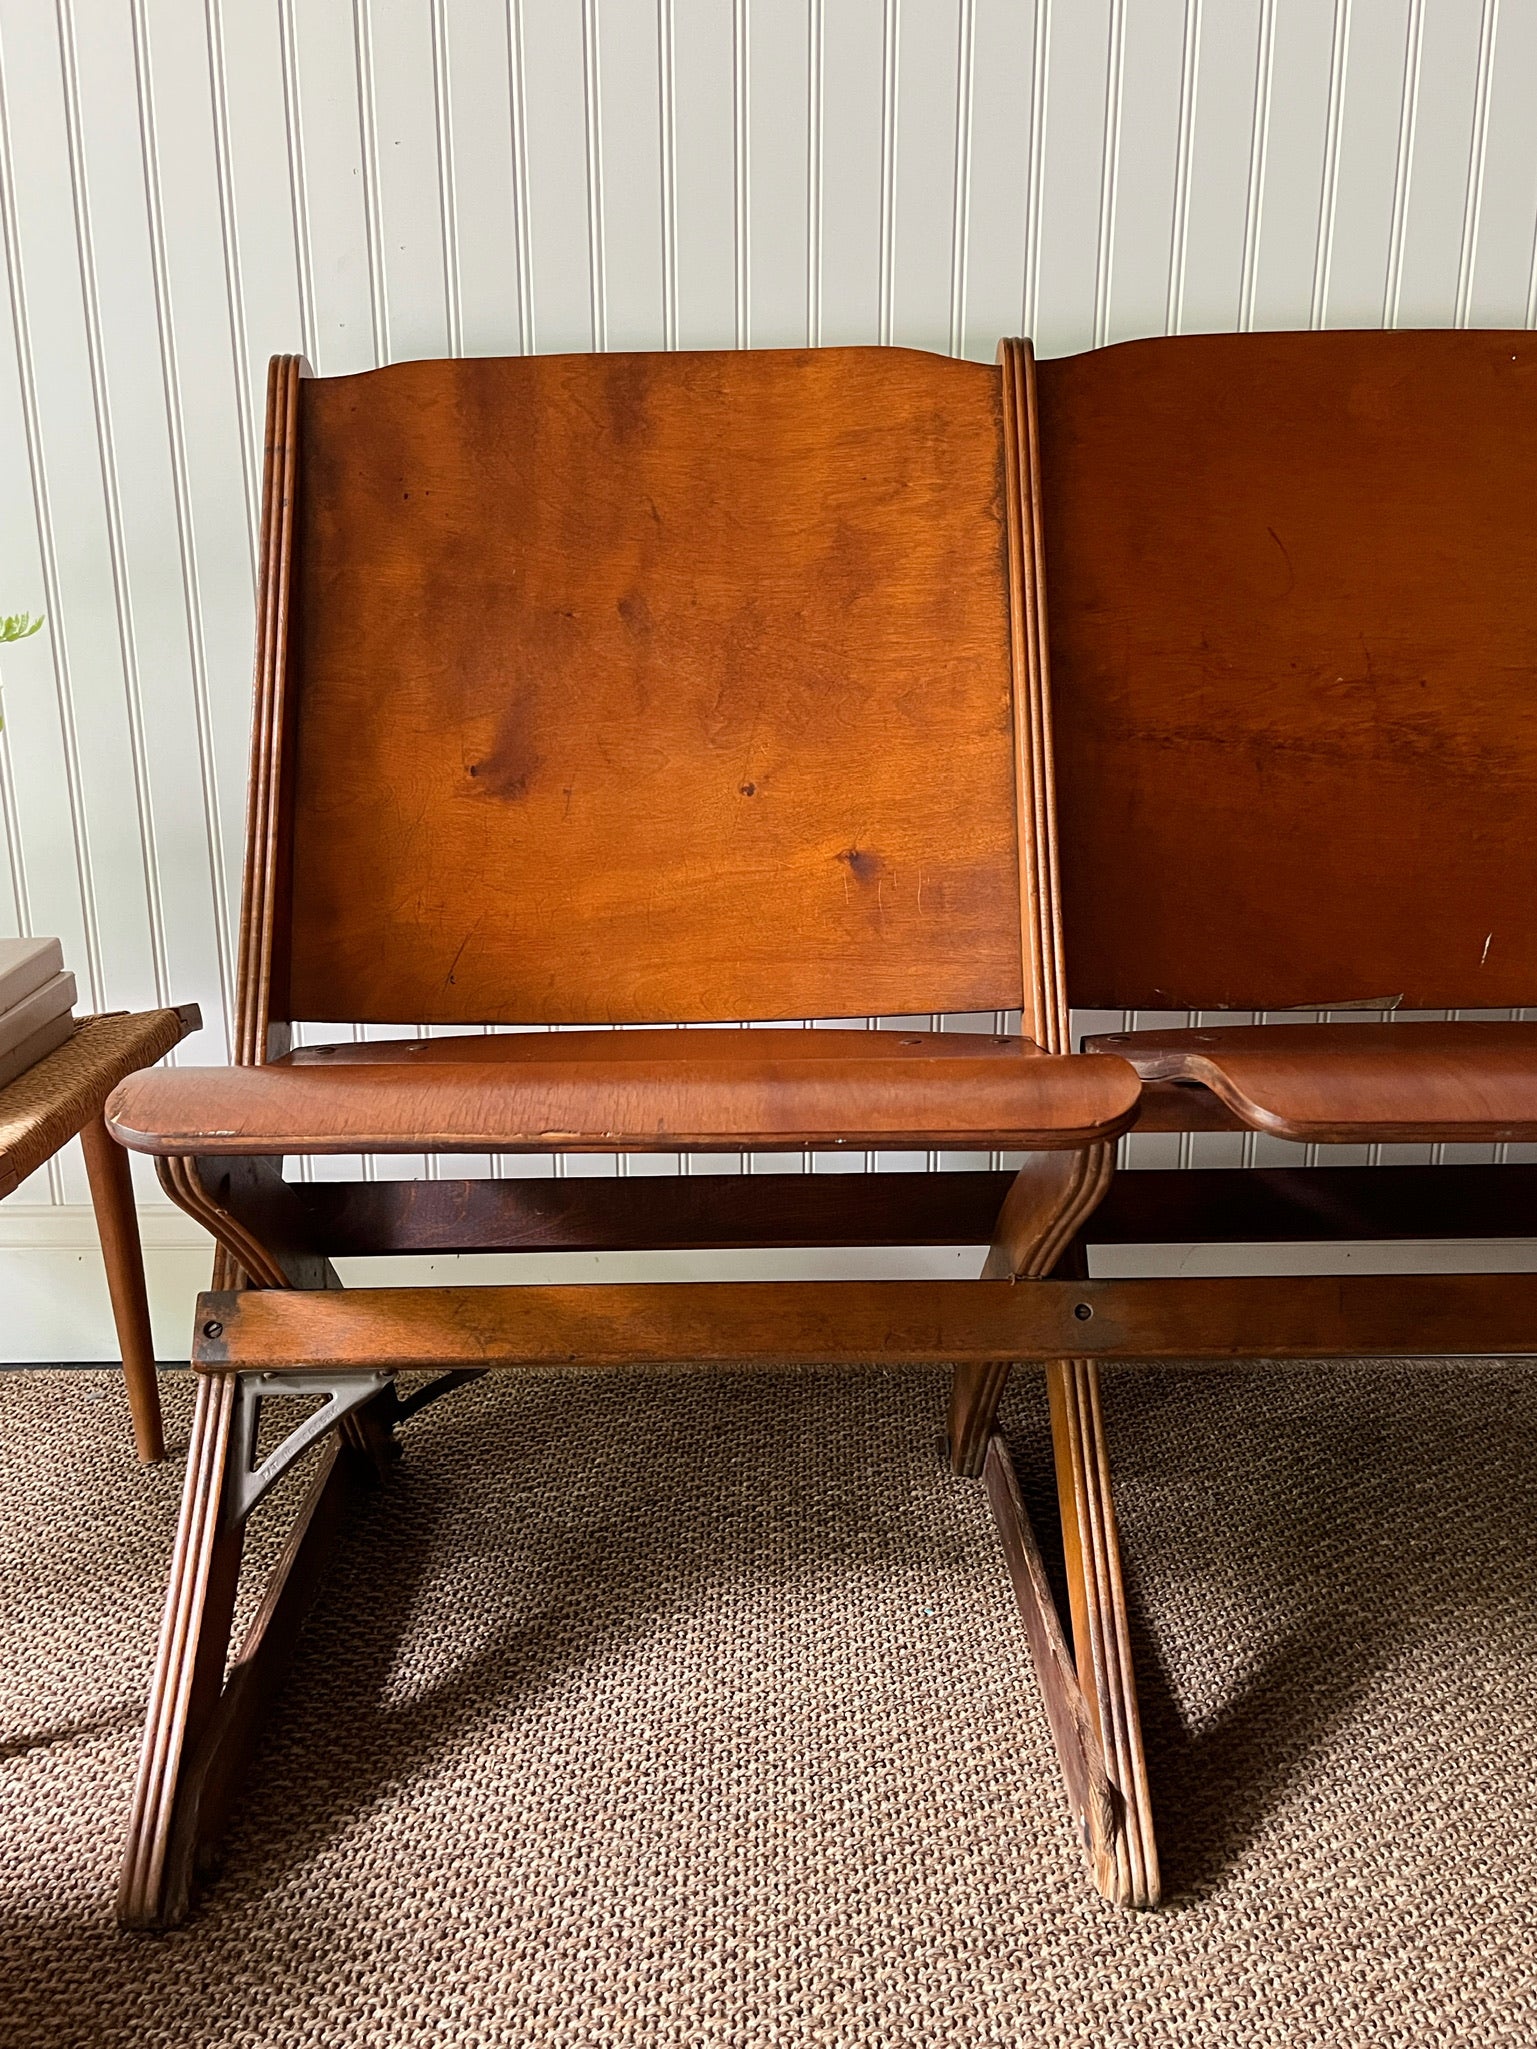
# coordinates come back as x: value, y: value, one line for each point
x: 187, y: 186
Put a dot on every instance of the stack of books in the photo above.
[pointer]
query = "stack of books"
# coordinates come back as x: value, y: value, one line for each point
x: 37, y: 1003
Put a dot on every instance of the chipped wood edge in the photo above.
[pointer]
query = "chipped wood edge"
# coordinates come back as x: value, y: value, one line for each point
x: 1097, y: 1600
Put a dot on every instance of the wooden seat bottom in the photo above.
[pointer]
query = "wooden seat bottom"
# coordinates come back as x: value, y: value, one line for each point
x: 1354, y: 1083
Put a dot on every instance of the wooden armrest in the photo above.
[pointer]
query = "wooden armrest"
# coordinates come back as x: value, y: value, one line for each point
x: 637, y: 1091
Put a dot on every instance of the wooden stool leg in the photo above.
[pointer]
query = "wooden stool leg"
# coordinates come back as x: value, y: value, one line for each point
x: 189, y: 1665
x: 1097, y: 1600
x: 117, y: 1223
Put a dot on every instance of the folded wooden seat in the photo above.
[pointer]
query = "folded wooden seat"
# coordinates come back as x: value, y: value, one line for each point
x: 1343, y: 1084
x: 599, y: 697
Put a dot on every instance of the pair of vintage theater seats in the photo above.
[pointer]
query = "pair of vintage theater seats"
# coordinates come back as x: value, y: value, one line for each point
x: 1195, y: 675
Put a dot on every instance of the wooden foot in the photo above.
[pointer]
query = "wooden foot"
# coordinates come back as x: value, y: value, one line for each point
x: 117, y: 1224
x: 1097, y: 1599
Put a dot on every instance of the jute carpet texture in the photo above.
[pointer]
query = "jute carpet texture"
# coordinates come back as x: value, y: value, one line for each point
x: 672, y: 1711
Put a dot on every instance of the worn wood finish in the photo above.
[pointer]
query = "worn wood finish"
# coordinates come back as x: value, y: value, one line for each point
x: 1096, y: 1804
x: 549, y: 732
x: 703, y: 1325
x: 743, y: 615
x: 1339, y: 1083
x: 1044, y: 1014
x: 639, y: 1092
x: 117, y: 1223
x: 1239, y: 652
x: 1183, y: 1106
x: 1045, y: 1208
x: 611, y: 763
x: 1097, y: 1601
x: 1289, y: 584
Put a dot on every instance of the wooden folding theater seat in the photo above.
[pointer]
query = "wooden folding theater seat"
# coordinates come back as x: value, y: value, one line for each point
x: 1293, y: 650
x: 682, y: 691
x: 593, y: 691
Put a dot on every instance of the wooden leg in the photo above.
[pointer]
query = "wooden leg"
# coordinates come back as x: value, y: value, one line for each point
x: 1096, y: 1803
x: 1048, y: 1200
x: 202, y: 1728
x: 215, y: 1770
x: 975, y: 1392
x: 117, y: 1223
x: 1097, y: 1599
x: 1048, y: 1203
x: 189, y: 1665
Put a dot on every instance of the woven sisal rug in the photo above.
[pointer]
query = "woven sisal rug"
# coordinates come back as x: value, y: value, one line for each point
x: 684, y: 1712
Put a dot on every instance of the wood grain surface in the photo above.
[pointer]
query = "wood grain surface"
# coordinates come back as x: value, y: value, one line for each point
x: 1467, y: 1079
x: 1292, y: 588
x: 636, y: 1091
x: 652, y: 689
x: 699, y: 1326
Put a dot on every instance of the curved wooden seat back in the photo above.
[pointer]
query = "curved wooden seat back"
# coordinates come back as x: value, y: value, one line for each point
x: 1292, y: 598
x: 660, y: 688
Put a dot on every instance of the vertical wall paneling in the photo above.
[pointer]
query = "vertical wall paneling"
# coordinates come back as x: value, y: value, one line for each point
x: 1500, y: 291
x: 405, y: 191
x: 852, y: 165
x: 332, y: 181
x: 925, y: 115
x: 1231, y: 74
x: 555, y: 109
x: 705, y: 171
x: 1442, y: 168
x: 1370, y: 119
x: 187, y: 186
x: 1291, y: 173
x: 628, y: 118
x: 1000, y: 152
x: 480, y: 130
x: 1141, y: 211
x: 1080, y: 52
x: 778, y: 137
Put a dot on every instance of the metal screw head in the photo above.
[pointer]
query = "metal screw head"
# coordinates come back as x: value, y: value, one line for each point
x: 213, y: 1330
x: 1083, y: 1311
